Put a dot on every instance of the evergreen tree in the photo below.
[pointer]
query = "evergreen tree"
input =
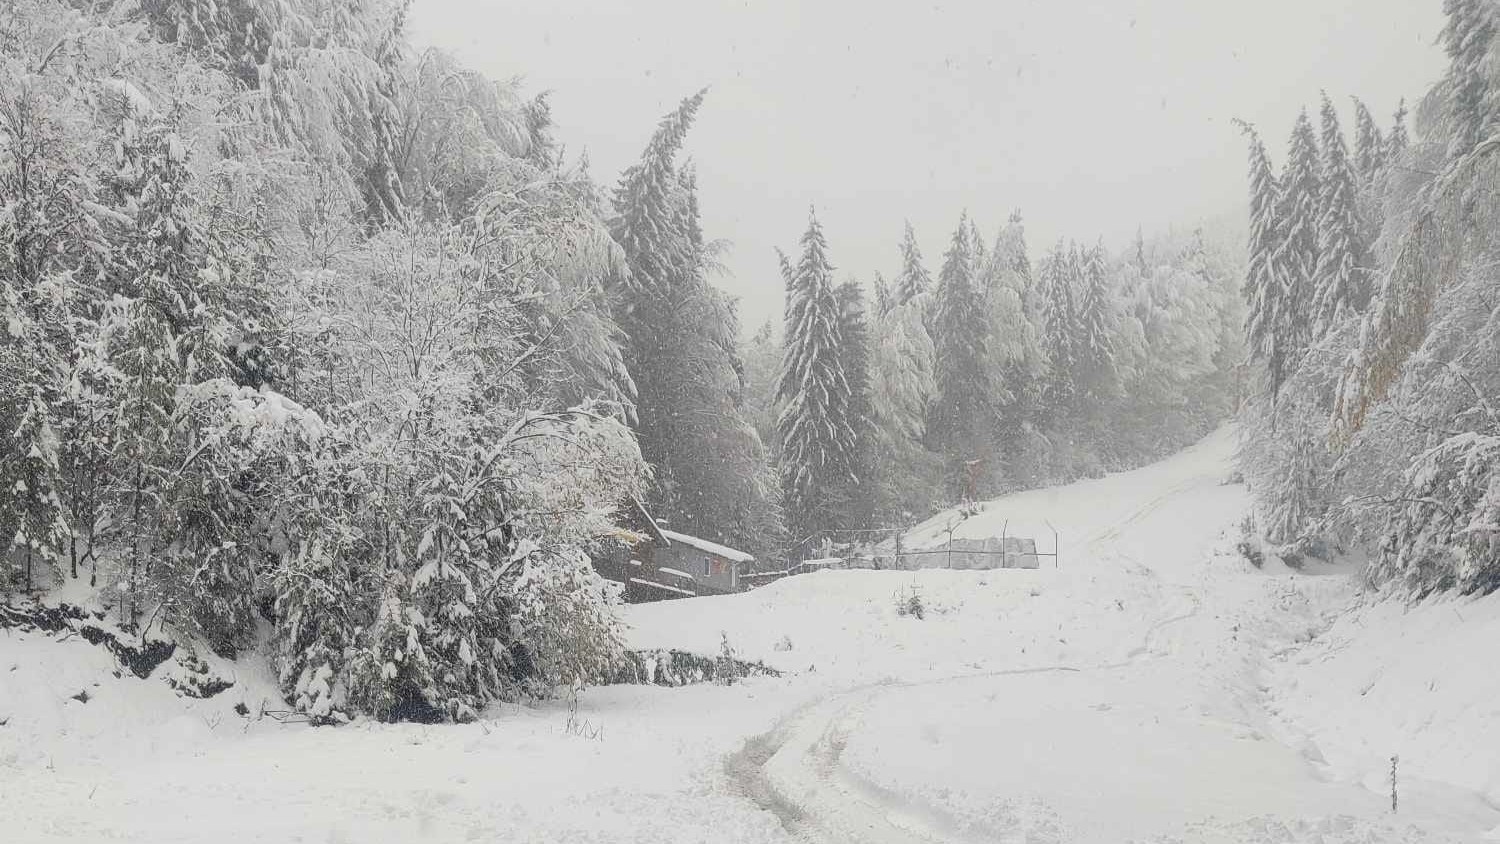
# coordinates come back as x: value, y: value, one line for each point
x: 854, y: 360
x: 818, y: 446
x: 1263, y: 289
x: 1369, y: 145
x: 32, y: 512
x: 1341, y: 284
x: 1016, y: 360
x: 960, y: 419
x: 1060, y: 331
x: 1297, y: 256
x: 914, y: 279
x: 1471, y: 101
x: 646, y: 227
x: 1095, y: 341
x: 1397, y: 142
x: 979, y: 255
x: 906, y: 477
x: 1010, y: 255
x: 682, y: 339
x: 884, y: 301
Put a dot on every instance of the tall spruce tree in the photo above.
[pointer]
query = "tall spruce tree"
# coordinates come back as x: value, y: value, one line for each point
x: 1059, y: 331
x: 914, y: 279
x: 883, y: 298
x: 1471, y: 102
x: 681, y: 350
x: 818, y: 446
x: 1010, y: 251
x: 1263, y: 290
x: 1095, y: 343
x: 858, y: 503
x: 1297, y: 260
x: 1016, y: 362
x: 960, y: 419
x: 1369, y: 145
x: 1397, y: 141
x: 1341, y: 284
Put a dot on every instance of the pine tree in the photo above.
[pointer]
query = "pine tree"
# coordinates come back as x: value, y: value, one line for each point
x: 644, y: 200
x: 1297, y: 256
x: 682, y: 338
x: 1397, y: 142
x: 1016, y: 360
x: 854, y: 360
x: 1095, y: 343
x: 914, y: 279
x: 1263, y: 291
x: 817, y: 443
x: 1010, y: 255
x: 960, y: 419
x: 906, y: 477
x: 31, y: 510
x: 884, y: 301
x: 979, y: 255
x: 1471, y: 102
x: 1341, y: 284
x: 1369, y: 146
x: 1060, y: 332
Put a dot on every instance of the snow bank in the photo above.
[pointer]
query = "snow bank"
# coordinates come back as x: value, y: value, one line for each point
x: 1419, y: 682
x: 843, y: 626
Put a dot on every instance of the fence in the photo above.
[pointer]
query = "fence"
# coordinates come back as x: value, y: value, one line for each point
x: 888, y: 552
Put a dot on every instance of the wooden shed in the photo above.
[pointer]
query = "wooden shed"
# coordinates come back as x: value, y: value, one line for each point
x: 654, y: 563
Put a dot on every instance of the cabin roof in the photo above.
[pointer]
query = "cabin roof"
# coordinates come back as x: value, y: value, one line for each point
x: 711, y: 547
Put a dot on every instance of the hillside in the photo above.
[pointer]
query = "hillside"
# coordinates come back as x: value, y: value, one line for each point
x: 1155, y: 687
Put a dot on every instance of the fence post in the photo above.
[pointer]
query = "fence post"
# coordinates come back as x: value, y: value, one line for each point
x: 1004, y: 548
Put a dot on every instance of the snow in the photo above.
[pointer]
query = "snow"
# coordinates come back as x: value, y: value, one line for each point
x: 710, y: 547
x: 1154, y: 687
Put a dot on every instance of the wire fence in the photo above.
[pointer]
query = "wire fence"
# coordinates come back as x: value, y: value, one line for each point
x: 886, y: 548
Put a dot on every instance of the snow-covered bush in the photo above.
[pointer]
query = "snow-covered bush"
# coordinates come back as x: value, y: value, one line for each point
x: 909, y: 602
x: 565, y: 629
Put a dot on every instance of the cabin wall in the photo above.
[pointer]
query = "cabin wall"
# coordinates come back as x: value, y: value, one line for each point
x: 707, y: 569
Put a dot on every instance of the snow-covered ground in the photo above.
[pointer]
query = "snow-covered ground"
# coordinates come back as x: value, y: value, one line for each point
x: 1152, y: 687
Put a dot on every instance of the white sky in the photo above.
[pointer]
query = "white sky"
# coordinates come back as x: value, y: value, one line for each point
x: 1091, y: 116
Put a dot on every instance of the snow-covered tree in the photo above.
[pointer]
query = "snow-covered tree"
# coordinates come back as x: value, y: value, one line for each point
x: 853, y: 352
x: 36, y: 528
x: 961, y: 416
x: 1369, y: 145
x: 1263, y: 289
x: 884, y: 301
x: 1471, y: 103
x: 906, y: 476
x: 682, y: 353
x: 1340, y: 281
x: 1095, y: 342
x: 1296, y: 258
x: 1060, y: 330
x: 1397, y: 141
x: 818, y: 445
x: 914, y: 279
x: 1016, y: 358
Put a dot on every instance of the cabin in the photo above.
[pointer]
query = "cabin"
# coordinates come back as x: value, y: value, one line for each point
x: 654, y: 563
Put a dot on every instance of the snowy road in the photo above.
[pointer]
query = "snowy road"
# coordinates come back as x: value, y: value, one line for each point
x: 1173, y: 742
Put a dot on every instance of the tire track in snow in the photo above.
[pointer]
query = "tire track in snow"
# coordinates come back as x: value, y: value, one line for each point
x: 795, y: 769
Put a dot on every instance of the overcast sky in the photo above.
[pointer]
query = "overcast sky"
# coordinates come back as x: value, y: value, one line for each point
x: 1090, y: 116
